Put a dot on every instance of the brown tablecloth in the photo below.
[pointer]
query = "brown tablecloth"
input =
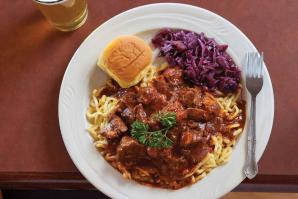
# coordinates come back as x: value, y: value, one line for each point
x: 34, y: 56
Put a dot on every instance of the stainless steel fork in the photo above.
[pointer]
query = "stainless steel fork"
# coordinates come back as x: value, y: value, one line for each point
x: 254, y: 81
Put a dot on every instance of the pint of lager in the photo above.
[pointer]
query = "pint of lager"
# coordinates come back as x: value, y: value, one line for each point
x: 65, y: 15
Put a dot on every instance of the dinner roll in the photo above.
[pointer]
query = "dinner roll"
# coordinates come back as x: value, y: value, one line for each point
x: 126, y: 59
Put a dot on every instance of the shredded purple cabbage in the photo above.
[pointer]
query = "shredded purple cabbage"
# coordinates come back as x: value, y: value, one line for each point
x: 205, y: 62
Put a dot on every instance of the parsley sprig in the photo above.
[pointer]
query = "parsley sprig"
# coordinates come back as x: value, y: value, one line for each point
x: 155, y: 139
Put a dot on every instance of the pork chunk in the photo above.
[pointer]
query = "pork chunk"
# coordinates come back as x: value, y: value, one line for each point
x: 130, y: 152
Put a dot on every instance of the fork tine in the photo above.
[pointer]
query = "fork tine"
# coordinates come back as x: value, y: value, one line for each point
x: 257, y: 61
x: 251, y: 61
x: 262, y: 64
x: 252, y: 56
x: 253, y: 64
x: 246, y: 66
x: 256, y: 64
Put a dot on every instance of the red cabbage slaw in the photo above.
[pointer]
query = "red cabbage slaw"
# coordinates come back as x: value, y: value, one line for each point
x: 205, y: 62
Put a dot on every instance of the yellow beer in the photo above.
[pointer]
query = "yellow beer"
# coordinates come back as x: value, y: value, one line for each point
x: 65, y: 15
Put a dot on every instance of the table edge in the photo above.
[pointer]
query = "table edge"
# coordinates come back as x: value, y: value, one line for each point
x: 74, y: 180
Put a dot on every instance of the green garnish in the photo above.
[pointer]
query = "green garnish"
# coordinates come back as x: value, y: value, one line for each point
x: 167, y: 119
x: 155, y: 139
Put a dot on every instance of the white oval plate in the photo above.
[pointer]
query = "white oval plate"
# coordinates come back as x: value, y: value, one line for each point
x: 82, y: 76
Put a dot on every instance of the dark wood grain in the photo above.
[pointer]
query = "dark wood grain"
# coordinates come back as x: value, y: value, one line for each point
x: 44, y: 180
x: 34, y: 57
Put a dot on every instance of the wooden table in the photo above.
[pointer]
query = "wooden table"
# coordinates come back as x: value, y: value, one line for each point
x: 34, y: 56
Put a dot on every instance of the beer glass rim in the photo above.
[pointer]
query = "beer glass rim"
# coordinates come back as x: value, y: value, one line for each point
x: 48, y: 2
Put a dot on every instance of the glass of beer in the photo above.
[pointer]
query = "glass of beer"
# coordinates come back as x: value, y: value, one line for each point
x: 65, y: 15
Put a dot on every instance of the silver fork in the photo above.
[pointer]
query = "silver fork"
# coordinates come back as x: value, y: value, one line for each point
x: 254, y: 81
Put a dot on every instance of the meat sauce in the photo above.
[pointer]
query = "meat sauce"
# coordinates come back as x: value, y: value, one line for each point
x: 198, y: 116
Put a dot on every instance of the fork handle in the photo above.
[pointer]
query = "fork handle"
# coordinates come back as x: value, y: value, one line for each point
x: 251, y: 167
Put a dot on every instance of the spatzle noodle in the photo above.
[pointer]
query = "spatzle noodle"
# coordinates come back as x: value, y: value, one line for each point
x: 97, y: 115
x: 223, y: 147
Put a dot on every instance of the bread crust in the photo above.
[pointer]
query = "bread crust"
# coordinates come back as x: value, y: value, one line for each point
x: 126, y: 59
